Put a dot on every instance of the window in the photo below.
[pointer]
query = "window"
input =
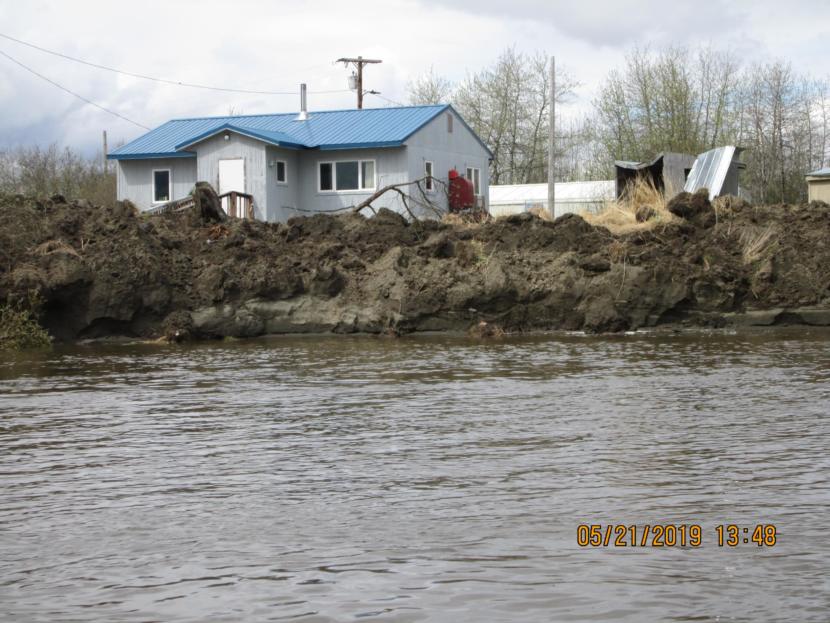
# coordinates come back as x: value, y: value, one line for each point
x: 161, y: 186
x: 449, y: 122
x: 474, y: 175
x: 326, y: 176
x: 429, y: 182
x: 367, y: 173
x: 281, y: 172
x: 347, y: 175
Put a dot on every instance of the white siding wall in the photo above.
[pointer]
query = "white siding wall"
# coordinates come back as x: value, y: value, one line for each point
x: 458, y: 150
x: 390, y: 168
x: 135, y: 178
x: 282, y: 199
x: 210, y: 151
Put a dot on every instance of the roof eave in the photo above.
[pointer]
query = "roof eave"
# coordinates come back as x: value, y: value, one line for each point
x: 229, y: 127
x: 151, y: 155
x: 367, y: 145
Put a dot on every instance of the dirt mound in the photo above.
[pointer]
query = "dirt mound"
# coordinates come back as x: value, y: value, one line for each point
x: 101, y: 272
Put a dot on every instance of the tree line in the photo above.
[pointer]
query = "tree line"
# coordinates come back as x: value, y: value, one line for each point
x: 45, y: 171
x: 673, y: 99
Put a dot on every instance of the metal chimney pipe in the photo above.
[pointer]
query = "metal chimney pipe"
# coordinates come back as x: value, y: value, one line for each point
x: 303, y: 104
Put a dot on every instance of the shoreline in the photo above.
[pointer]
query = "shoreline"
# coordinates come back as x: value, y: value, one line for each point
x: 98, y: 272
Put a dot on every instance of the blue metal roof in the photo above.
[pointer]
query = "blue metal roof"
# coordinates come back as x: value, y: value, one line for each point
x: 334, y: 129
x: 825, y: 172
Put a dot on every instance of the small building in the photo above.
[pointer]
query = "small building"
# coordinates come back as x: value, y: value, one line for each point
x: 291, y: 164
x: 818, y: 185
x: 506, y: 199
x: 667, y: 171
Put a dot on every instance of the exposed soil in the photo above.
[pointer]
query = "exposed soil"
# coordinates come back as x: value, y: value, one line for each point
x: 102, y: 272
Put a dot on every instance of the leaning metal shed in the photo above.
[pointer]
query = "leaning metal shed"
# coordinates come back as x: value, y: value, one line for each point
x: 667, y: 171
x: 717, y: 170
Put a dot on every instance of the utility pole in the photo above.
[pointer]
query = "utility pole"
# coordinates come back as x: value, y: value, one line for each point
x: 106, y: 164
x: 358, y: 62
x: 552, y: 141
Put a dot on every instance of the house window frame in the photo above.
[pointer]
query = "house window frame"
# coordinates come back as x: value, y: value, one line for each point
x: 475, y: 178
x: 334, y: 191
x: 450, y: 122
x: 429, y: 175
x: 169, y: 185
x: 284, y: 181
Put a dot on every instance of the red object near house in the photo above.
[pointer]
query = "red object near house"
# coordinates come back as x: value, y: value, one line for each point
x: 462, y: 193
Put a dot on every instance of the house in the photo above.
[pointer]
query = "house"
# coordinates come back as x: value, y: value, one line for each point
x: 577, y: 197
x: 291, y: 164
x: 818, y: 185
x: 667, y: 171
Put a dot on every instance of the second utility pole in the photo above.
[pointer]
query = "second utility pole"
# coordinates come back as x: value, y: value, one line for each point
x: 552, y: 141
x: 358, y: 62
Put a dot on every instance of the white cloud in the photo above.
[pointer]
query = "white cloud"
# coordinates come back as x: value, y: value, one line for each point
x: 277, y: 45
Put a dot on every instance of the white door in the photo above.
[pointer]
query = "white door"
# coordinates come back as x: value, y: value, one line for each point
x: 231, y: 178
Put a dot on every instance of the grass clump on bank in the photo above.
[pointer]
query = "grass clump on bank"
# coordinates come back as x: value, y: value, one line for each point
x: 20, y: 330
x: 641, y: 207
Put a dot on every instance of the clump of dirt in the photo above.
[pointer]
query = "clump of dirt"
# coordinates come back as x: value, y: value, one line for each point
x: 112, y: 271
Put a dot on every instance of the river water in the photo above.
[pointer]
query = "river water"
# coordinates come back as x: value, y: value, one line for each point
x: 418, y: 479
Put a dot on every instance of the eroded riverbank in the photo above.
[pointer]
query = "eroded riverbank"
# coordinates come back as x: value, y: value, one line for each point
x: 102, y: 272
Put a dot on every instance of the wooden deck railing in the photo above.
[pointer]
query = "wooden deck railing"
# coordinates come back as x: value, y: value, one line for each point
x: 235, y: 204
x: 173, y: 206
x: 238, y: 205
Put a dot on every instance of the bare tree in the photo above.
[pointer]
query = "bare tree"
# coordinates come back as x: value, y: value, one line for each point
x: 46, y: 171
x: 507, y: 105
x: 429, y: 88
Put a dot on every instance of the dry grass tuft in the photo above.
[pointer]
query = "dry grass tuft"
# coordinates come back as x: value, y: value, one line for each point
x: 458, y: 220
x: 50, y: 247
x: 541, y: 213
x: 757, y: 243
x: 621, y: 216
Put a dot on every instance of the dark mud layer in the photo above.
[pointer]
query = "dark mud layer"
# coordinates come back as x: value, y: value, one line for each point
x: 105, y: 272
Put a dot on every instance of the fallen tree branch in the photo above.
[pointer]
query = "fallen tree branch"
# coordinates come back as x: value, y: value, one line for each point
x: 426, y: 203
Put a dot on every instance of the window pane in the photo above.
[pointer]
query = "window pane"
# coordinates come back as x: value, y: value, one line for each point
x: 280, y: 171
x: 347, y: 175
x: 469, y: 175
x: 161, y: 186
x: 325, y: 176
x: 477, y: 181
x: 368, y: 172
x: 428, y: 173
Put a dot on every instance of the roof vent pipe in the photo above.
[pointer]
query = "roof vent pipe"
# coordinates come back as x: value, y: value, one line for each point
x: 303, y: 105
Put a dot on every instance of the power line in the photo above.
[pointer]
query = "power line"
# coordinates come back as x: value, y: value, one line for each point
x: 191, y: 85
x: 63, y: 88
x: 376, y: 94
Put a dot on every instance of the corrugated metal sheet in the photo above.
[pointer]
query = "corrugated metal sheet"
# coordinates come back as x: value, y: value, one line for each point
x: 570, y: 197
x: 710, y: 170
x: 565, y: 192
x: 338, y: 129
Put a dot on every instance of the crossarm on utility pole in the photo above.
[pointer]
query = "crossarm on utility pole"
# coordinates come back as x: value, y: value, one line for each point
x: 359, y: 62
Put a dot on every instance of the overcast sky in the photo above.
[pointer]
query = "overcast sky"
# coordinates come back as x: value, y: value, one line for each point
x: 276, y: 45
